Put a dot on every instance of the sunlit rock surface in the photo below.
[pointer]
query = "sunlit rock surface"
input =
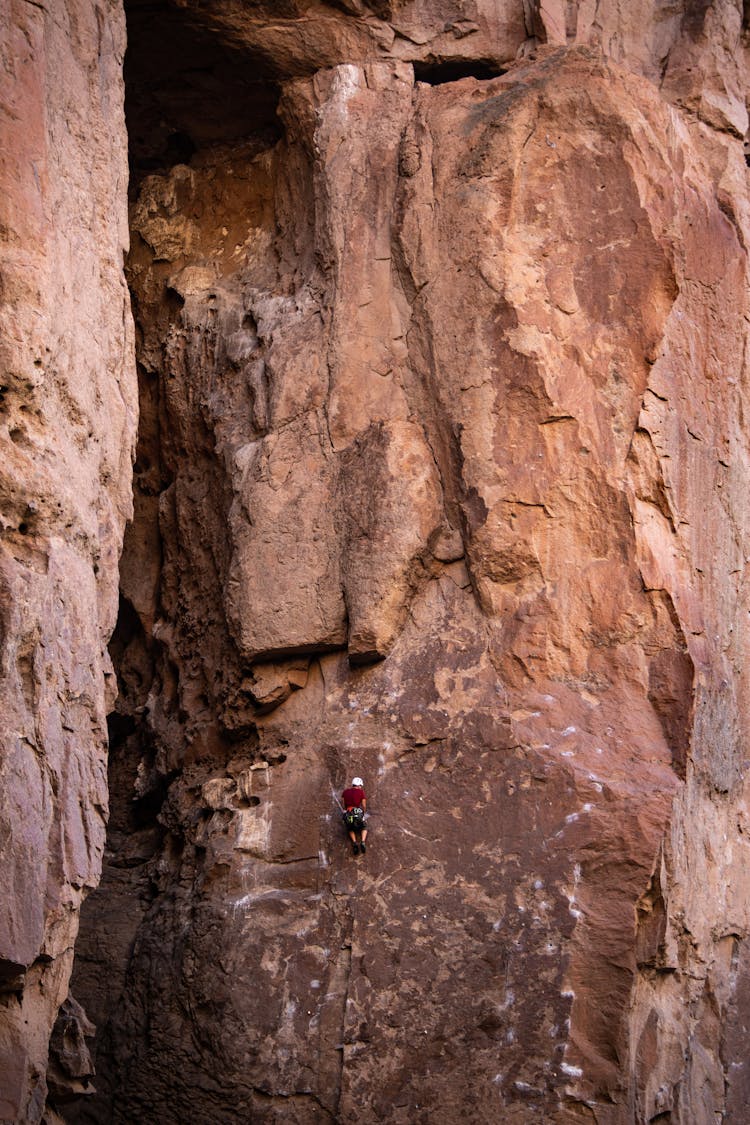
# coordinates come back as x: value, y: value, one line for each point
x: 68, y: 412
x: 441, y: 315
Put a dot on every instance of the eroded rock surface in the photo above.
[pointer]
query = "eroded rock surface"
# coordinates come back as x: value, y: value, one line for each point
x: 441, y: 480
x: 68, y: 412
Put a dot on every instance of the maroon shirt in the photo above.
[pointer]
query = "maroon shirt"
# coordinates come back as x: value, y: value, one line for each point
x: 353, y: 797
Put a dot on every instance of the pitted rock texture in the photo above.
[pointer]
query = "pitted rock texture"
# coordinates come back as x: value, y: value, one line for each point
x: 68, y: 412
x: 441, y: 480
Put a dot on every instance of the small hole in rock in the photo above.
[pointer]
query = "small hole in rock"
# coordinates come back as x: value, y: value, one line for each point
x: 247, y: 802
x: 180, y: 147
x: 23, y: 528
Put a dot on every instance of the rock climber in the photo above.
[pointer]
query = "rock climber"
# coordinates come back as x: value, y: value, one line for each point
x: 354, y: 802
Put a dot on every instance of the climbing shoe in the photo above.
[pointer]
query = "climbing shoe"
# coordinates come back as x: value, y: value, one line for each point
x: 362, y: 848
x: 355, y: 849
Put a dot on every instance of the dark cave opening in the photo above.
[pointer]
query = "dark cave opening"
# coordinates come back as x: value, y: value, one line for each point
x: 185, y: 89
x: 437, y: 72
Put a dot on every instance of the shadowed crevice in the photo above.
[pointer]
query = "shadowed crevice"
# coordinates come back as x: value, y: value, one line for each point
x: 436, y: 73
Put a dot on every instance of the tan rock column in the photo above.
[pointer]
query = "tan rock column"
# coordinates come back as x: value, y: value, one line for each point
x: 67, y: 419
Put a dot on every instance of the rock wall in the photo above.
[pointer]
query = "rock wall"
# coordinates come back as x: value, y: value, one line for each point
x: 68, y: 412
x: 441, y: 322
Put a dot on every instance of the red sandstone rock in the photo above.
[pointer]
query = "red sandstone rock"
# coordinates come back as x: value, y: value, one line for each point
x: 67, y: 420
x: 463, y: 429
x: 441, y: 479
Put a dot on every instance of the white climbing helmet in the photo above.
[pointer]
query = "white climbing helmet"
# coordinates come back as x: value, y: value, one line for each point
x: 358, y: 782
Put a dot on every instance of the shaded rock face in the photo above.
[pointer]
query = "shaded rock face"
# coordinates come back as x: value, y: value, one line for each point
x: 441, y: 480
x: 68, y: 413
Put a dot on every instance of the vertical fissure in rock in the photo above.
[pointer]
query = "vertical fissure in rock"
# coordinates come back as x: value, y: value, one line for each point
x: 191, y: 103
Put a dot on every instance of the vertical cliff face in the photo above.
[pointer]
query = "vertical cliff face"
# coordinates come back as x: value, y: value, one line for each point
x: 441, y: 325
x: 68, y: 411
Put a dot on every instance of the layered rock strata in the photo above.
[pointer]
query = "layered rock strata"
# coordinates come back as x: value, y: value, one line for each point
x: 68, y: 411
x: 441, y: 480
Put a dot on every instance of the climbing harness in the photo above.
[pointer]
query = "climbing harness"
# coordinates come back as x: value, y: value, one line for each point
x: 354, y: 819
